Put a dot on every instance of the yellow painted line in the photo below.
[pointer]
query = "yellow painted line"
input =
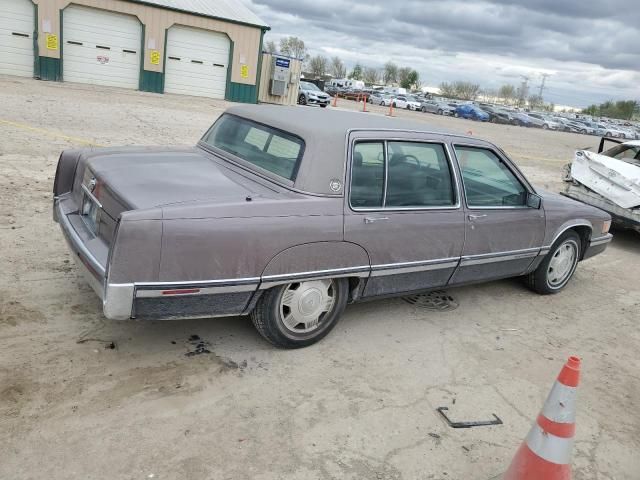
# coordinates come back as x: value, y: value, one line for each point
x: 50, y: 133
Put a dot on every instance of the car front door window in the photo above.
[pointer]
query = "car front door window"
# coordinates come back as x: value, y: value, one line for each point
x: 488, y: 181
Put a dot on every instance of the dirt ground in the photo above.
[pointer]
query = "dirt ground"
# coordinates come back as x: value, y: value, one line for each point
x: 358, y: 405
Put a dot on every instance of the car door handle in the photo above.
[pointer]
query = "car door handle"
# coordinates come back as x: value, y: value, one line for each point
x: 374, y: 219
x: 473, y: 217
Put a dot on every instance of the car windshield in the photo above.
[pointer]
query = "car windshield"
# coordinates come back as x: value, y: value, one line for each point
x: 309, y: 86
x: 267, y: 148
x: 626, y: 153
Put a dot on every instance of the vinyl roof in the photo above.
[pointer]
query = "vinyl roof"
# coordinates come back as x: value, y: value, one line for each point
x: 233, y: 10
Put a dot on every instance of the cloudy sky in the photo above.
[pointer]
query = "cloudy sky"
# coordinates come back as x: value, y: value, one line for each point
x: 591, y: 48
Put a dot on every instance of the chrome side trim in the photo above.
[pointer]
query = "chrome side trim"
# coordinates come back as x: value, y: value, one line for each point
x: 273, y: 280
x: 411, y: 267
x: 498, y: 257
x: 158, y: 292
x: 568, y: 227
x: 600, y: 240
x: 199, y: 283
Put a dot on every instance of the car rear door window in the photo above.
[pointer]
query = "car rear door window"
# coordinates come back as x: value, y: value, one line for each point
x: 488, y: 181
x: 419, y: 176
x: 367, y: 175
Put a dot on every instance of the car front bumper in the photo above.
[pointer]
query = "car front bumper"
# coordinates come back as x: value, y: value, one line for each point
x: 90, y: 254
x: 318, y: 101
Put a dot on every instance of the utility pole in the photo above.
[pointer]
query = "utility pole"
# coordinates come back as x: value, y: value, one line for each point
x: 544, y: 79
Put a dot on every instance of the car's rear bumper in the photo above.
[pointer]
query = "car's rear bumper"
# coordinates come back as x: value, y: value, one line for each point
x: 90, y: 254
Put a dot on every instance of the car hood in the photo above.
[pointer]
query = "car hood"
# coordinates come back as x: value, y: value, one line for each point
x: 132, y: 179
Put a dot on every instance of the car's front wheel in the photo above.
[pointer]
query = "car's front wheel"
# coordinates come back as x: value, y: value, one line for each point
x: 301, y: 313
x: 557, y: 268
x: 440, y: 112
x: 302, y: 100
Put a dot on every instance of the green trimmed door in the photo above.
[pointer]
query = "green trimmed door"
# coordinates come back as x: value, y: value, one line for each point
x: 17, y: 18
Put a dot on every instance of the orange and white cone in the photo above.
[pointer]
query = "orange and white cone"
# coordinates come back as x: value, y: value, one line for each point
x: 546, y: 452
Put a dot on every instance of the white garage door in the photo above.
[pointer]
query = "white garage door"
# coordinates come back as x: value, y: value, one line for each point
x: 17, y: 23
x: 101, y: 47
x: 197, y: 62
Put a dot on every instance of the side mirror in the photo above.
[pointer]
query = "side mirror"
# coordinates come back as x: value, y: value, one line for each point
x: 534, y: 201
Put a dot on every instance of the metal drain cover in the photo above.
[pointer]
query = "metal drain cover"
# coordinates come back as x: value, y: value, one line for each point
x: 438, y: 300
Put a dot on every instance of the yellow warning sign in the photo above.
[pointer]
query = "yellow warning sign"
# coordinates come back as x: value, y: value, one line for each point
x: 155, y: 57
x: 52, y: 41
x: 244, y: 71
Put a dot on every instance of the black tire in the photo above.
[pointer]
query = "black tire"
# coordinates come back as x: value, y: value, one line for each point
x: 423, y: 110
x: 539, y: 280
x: 457, y: 115
x: 394, y: 105
x: 302, y: 100
x: 324, y: 105
x: 439, y: 112
x: 267, y: 319
x: 545, y: 126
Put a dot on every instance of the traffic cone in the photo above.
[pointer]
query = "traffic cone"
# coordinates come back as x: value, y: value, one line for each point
x: 546, y: 452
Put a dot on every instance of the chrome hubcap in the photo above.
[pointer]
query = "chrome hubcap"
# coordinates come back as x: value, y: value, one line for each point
x: 304, y: 305
x: 562, y: 263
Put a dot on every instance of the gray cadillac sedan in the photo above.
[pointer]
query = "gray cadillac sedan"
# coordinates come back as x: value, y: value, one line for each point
x: 288, y: 214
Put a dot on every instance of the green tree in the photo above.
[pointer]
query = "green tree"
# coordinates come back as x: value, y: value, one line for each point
x: 403, y: 77
x: 356, y: 73
x: 414, y: 79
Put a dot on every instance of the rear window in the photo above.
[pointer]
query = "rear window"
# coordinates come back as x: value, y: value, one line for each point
x: 265, y: 147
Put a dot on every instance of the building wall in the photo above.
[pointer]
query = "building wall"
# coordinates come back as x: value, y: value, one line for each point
x: 246, y: 42
x: 291, y: 98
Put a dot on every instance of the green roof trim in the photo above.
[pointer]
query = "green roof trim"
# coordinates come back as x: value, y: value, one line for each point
x: 189, y: 12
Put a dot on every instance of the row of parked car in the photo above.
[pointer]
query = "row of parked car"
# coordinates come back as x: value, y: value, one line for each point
x: 483, y: 112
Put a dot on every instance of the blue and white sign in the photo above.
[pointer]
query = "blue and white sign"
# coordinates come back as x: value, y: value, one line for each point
x: 282, y: 62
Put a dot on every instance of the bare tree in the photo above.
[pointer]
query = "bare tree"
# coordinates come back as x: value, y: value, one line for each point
x: 507, y: 93
x: 390, y: 73
x: 370, y: 75
x: 338, y: 70
x: 466, y: 90
x: 447, y: 89
x: 270, y: 47
x: 318, y: 65
x: 293, y: 47
x: 536, y: 101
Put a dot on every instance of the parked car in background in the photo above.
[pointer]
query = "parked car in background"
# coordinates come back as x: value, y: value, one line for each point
x: 310, y: 94
x: 404, y: 101
x: 548, y: 122
x: 609, y: 180
x: 436, y: 106
x: 496, y: 115
x: 413, y: 102
x: 521, y: 119
x: 381, y: 99
x: 610, y: 130
x: 287, y: 214
x: 471, y: 112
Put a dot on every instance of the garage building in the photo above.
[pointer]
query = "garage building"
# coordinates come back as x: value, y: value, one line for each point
x: 205, y: 48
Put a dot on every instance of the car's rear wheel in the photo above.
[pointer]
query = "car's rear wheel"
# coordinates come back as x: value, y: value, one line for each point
x: 457, y: 115
x: 557, y: 268
x: 324, y: 105
x: 440, y: 112
x: 423, y: 110
x: 301, y: 313
x: 545, y: 126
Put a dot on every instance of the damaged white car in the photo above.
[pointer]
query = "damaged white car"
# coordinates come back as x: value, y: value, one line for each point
x: 609, y: 180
